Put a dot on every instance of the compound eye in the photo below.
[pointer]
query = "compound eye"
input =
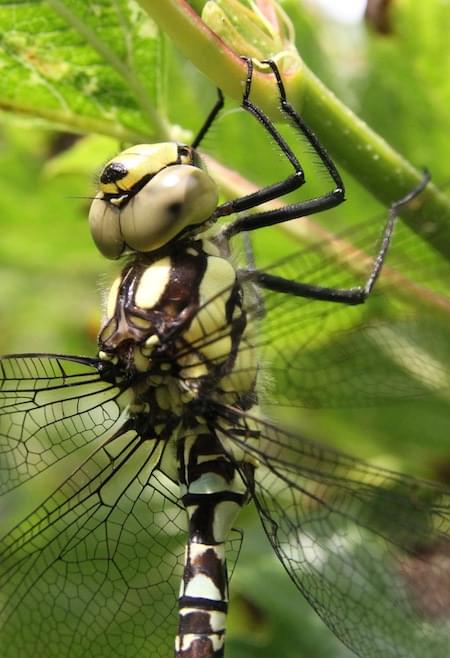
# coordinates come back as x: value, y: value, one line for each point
x: 104, y: 222
x: 177, y: 197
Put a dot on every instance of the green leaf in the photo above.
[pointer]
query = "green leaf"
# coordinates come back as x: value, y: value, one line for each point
x: 88, y: 68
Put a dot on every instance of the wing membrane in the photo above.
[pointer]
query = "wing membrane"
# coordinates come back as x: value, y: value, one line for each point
x: 395, y: 346
x: 368, y: 548
x: 50, y: 406
x: 98, y: 563
x: 320, y: 354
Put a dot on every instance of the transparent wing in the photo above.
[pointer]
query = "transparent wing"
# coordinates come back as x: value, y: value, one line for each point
x: 321, y: 354
x: 368, y: 548
x: 50, y: 406
x: 95, y: 570
x: 397, y: 345
x: 98, y: 563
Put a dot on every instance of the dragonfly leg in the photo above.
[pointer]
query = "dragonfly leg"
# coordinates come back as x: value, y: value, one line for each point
x: 275, y: 190
x: 351, y: 296
x: 209, y: 120
x: 291, y: 211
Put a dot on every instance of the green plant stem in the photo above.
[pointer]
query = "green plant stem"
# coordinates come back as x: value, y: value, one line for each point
x: 368, y: 157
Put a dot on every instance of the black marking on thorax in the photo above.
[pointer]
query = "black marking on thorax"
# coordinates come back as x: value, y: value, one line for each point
x: 172, y: 312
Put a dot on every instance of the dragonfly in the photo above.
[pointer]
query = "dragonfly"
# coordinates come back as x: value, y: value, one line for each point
x: 178, y: 424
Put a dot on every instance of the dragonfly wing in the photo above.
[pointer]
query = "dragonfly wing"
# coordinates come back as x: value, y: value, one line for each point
x: 323, y: 354
x: 98, y: 564
x: 315, y: 353
x: 341, y: 357
x: 368, y: 548
x: 50, y: 406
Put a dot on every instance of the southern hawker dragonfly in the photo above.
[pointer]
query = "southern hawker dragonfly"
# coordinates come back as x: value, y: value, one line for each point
x: 177, y: 424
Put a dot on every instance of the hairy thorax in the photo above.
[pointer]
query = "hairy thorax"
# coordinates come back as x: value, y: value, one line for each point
x: 177, y: 331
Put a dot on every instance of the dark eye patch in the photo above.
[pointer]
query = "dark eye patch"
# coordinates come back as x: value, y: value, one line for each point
x: 174, y: 209
x: 113, y: 172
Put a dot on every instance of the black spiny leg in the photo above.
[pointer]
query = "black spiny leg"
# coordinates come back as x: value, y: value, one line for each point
x: 274, y: 191
x: 341, y: 295
x: 259, y: 220
x: 209, y: 119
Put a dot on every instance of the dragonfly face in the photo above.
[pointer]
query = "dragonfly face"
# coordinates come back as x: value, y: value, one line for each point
x: 150, y: 194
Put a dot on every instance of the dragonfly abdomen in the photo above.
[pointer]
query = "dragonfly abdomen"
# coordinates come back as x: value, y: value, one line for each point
x: 213, y: 493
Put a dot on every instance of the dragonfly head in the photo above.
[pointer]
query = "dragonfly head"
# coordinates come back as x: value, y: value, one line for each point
x: 148, y: 195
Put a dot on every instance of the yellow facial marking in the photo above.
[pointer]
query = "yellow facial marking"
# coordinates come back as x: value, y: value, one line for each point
x: 139, y: 161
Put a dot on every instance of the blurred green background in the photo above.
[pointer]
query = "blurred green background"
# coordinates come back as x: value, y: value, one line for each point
x: 392, y: 71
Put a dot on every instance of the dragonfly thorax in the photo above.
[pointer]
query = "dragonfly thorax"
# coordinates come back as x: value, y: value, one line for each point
x: 181, y: 316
